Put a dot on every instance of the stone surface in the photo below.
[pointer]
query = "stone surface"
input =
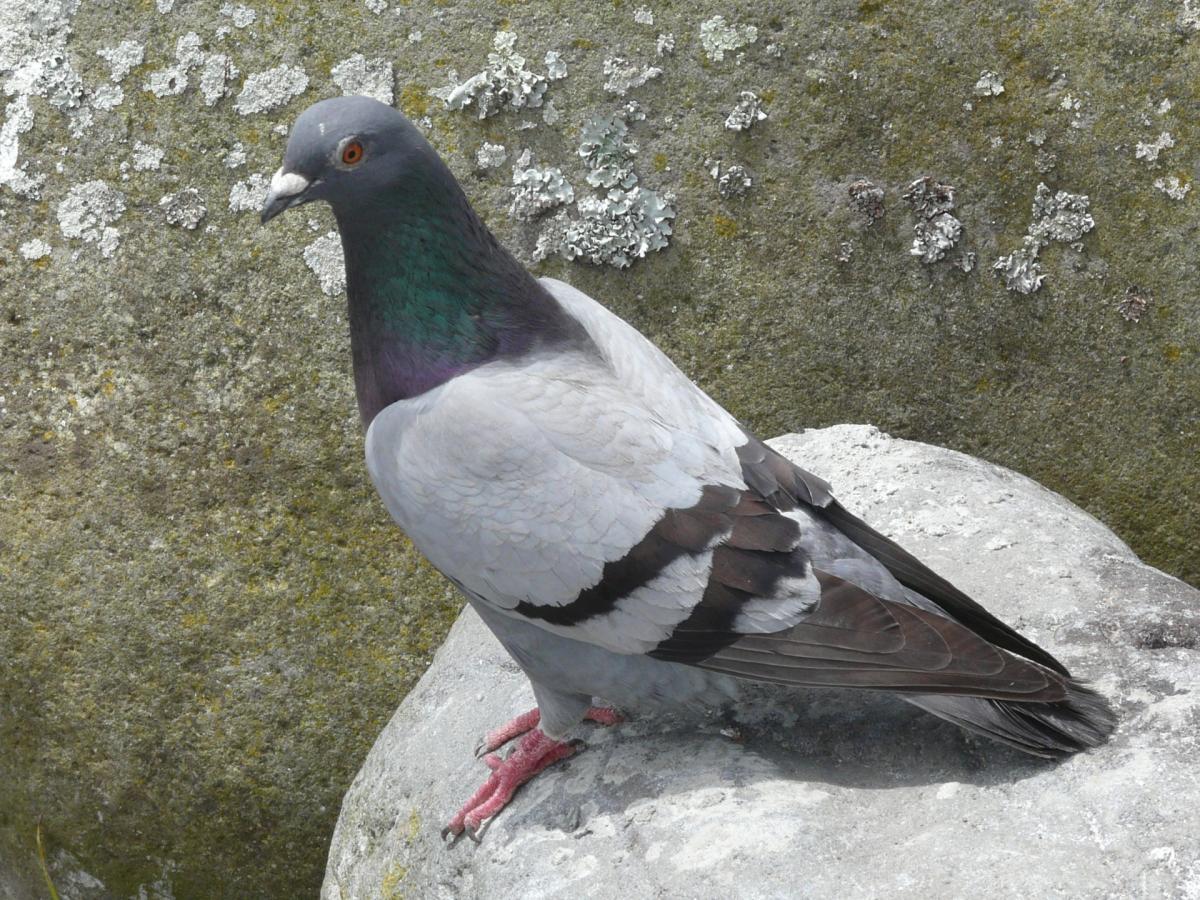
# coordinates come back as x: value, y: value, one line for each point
x: 205, y: 616
x: 830, y: 794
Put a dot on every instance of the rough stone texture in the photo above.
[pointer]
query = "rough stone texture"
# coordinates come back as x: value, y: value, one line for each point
x: 830, y: 794
x: 204, y: 614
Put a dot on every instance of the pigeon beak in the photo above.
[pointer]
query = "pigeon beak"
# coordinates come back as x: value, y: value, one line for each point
x: 287, y: 190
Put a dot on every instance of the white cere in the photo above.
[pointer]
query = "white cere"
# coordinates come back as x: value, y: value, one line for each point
x: 504, y: 84
x: 937, y: 230
x: 989, y: 85
x: 367, y: 77
x: 536, y: 190
x: 490, y: 156
x: 1057, y: 217
x: 269, y: 89
x: 717, y: 37
x: 248, y: 194
x: 184, y: 209
x: 87, y: 214
x: 749, y: 110
x: 324, y: 259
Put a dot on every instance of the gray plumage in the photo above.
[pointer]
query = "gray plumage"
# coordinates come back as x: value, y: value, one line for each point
x: 622, y: 534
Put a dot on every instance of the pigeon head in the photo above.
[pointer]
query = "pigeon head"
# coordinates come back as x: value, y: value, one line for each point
x: 346, y: 151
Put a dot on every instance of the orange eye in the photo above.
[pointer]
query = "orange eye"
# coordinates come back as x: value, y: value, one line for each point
x: 352, y: 153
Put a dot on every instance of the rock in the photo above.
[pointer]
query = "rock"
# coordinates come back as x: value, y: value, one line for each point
x: 830, y: 794
x: 205, y: 615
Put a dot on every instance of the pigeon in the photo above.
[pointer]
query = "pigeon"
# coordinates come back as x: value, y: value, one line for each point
x: 628, y: 541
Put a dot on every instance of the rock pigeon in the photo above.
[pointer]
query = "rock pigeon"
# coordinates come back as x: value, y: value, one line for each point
x: 628, y: 541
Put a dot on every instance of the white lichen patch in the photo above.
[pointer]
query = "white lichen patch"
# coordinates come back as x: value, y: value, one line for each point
x: 749, y: 110
x: 732, y: 181
x: 368, y: 77
x: 937, y: 230
x: 623, y: 76
x: 614, y: 229
x: 325, y: 260
x: 490, y: 156
x: 717, y: 37
x: 536, y: 190
x: 122, y: 58
x: 1189, y: 15
x: 556, y: 69
x: 235, y: 157
x: 989, y: 85
x: 664, y: 45
x: 1173, y: 187
x: 248, y: 194
x: 35, y: 61
x: 169, y: 82
x: 1021, y: 270
x: 643, y: 15
x: 270, y: 89
x: 1057, y: 217
x: 608, y: 150
x: 241, y: 16
x: 87, y: 214
x: 1060, y: 216
x: 164, y: 6
x: 106, y: 96
x: 504, y: 84
x: 184, y: 209
x: 216, y: 69
x: 18, y: 119
x: 34, y: 249
x: 868, y: 199
x: 550, y: 113
x: 215, y: 74
x: 376, y: 6
x: 1149, y: 151
x: 146, y: 157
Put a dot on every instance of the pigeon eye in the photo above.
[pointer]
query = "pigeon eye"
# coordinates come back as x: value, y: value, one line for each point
x: 352, y: 153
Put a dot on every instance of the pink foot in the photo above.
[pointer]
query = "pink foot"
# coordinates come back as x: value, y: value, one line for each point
x: 534, y: 753
x: 526, y: 722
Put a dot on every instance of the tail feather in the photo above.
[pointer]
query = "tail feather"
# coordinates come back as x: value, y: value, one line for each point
x: 1081, y: 720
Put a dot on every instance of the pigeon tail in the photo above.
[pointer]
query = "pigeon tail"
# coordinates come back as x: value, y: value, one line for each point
x: 1054, y: 730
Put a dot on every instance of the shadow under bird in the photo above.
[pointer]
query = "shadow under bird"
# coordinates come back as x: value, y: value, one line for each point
x: 624, y: 537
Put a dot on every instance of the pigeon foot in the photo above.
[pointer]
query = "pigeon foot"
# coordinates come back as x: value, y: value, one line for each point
x: 534, y: 753
x: 526, y: 722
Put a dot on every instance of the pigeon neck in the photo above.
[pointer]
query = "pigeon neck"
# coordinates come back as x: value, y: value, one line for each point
x: 431, y: 292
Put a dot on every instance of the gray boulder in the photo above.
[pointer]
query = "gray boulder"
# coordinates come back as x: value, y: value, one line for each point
x: 830, y: 794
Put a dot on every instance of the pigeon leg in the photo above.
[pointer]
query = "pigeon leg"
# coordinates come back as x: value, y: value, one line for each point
x: 534, y: 753
x: 526, y: 722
